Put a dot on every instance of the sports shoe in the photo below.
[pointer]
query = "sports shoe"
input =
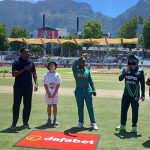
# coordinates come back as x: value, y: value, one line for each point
x: 120, y: 128
x: 55, y: 122
x: 48, y: 123
x: 134, y: 130
x: 94, y: 126
x: 80, y: 125
x: 13, y: 127
x: 26, y: 126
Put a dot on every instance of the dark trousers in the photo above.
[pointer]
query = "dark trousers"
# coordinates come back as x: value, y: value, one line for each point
x: 26, y: 94
x: 126, y: 101
x: 86, y: 95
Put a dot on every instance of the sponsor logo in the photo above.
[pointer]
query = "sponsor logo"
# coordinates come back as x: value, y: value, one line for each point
x: 55, y: 139
x: 131, y: 82
x: 34, y: 138
x: 81, y: 75
x: 131, y: 78
x: 58, y: 140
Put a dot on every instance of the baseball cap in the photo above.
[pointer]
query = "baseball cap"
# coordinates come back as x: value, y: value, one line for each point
x: 133, y: 60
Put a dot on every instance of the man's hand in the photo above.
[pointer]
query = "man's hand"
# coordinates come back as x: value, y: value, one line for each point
x: 94, y: 93
x: 127, y: 69
x: 27, y: 68
x: 17, y: 73
x: 142, y: 98
x: 35, y: 88
x: 148, y: 82
x: 86, y: 55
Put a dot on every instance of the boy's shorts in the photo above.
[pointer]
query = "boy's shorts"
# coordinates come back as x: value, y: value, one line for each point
x: 51, y: 100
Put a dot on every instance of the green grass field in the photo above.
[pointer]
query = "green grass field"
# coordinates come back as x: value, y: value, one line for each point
x: 107, y: 113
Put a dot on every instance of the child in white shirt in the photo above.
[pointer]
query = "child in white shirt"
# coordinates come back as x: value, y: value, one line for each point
x: 52, y: 81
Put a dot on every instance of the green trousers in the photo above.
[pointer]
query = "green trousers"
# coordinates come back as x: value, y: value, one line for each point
x: 81, y: 95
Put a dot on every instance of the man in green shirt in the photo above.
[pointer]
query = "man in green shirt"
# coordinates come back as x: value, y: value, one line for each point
x: 134, y: 78
x: 84, y: 90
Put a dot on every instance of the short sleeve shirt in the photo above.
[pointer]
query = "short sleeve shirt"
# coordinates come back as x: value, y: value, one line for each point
x: 52, y: 79
x: 24, y: 80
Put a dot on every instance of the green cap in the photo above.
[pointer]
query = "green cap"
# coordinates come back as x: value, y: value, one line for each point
x: 83, y: 59
x: 133, y: 58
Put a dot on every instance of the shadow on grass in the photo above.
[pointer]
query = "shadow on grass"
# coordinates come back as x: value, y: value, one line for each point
x: 74, y: 130
x: 146, y: 144
x: 9, y: 130
x: 43, y: 127
x: 127, y: 135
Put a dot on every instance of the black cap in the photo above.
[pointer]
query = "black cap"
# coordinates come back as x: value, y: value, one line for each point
x: 132, y: 60
x: 52, y: 62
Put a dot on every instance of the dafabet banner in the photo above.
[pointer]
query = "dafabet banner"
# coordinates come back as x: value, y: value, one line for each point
x: 59, y: 140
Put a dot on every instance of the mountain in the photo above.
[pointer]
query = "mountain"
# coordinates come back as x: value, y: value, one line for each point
x: 58, y: 13
x: 63, y: 14
x: 142, y: 9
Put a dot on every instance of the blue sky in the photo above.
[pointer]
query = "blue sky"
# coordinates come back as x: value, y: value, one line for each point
x: 111, y: 8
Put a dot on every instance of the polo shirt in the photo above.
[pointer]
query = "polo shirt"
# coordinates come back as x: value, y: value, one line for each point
x: 24, y: 80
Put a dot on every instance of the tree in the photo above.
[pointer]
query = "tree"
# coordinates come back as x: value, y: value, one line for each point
x: 140, y: 20
x: 3, y: 37
x: 140, y: 42
x: 146, y: 33
x: 18, y: 32
x: 92, y: 29
x: 128, y: 29
x: 70, y: 48
x: 70, y: 37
